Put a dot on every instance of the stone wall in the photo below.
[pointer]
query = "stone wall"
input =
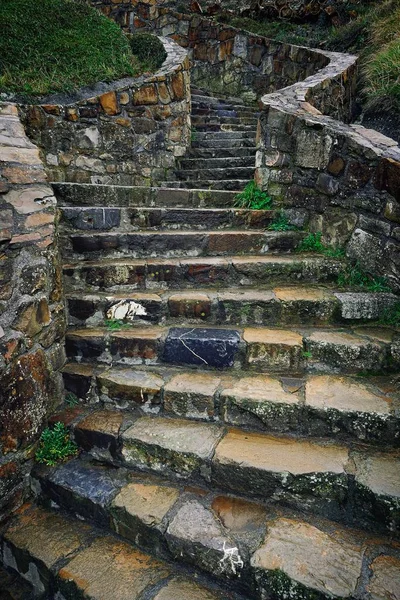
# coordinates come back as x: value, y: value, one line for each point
x: 31, y: 306
x: 129, y: 132
x: 342, y: 179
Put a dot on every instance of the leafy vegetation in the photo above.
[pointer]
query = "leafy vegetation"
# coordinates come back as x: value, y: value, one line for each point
x: 71, y: 399
x: 253, y: 198
x: 355, y: 276
x: 59, y: 45
x: 115, y: 324
x: 55, y: 445
x: 148, y: 49
x: 313, y: 243
x: 391, y: 316
x: 281, y: 223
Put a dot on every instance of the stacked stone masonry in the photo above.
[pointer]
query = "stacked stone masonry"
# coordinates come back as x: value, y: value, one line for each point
x: 32, y: 320
x: 128, y: 132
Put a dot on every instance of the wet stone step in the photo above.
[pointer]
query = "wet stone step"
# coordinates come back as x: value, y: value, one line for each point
x: 231, y: 152
x: 129, y: 219
x: 221, y: 143
x: 211, y: 272
x: 223, y: 111
x: 323, y: 477
x: 220, y: 120
x: 65, y: 558
x: 216, y: 173
x: 180, y: 243
x: 216, y: 163
x: 318, y: 405
x: 198, y: 528
x: 235, y: 185
x: 257, y: 349
x: 226, y: 135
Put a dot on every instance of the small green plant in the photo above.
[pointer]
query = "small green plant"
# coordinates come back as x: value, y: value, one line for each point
x: 391, y: 316
x: 149, y: 49
x: 55, y: 445
x: 71, y: 399
x: 193, y: 135
x: 115, y: 324
x: 355, y: 276
x: 313, y: 243
x: 253, y: 198
x: 307, y: 354
x: 281, y: 223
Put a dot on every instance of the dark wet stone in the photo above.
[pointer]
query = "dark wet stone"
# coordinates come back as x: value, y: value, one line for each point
x: 92, y: 218
x: 212, y: 347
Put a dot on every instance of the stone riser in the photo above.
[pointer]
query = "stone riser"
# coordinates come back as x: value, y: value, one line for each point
x: 280, y: 307
x: 130, y: 219
x: 178, y: 244
x: 221, y: 144
x: 330, y: 480
x: 262, y: 350
x: 235, y: 185
x: 237, y: 123
x: 207, y: 272
x: 339, y: 408
x: 221, y: 152
x: 224, y: 112
x: 215, y: 174
x: 187, y: 527
x: 216, y: 163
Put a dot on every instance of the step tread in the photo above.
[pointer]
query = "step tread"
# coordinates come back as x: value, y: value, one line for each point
x: 199, y: 525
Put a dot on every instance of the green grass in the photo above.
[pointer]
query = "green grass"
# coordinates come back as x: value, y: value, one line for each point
x: 115, y: 324
x: 55, y: 445
x: 71, y: 399
x: 313, y: 243
x: 281, y: 223
x: 355, y: 276
x: 391, y: 316
x: 253, y: 198
x: 51, y: 46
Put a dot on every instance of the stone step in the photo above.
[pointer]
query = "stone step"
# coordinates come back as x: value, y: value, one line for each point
x: 217, y: 119
x: 217, y: 163
x: 259, y: 349
x: 353, y: 484
x: 234, y: 143
x: 92, y: 195
x: 293, y: 305
x: 217, y: 127
x: 202, y: 136
x: 212, y: 174
x: 221, y: 110
x: 207, y: 100
x: 197, y: 152
x: 131, y: 219
x: 231, y: 185
x: 174, y: 273
x: 62, y: 557
x: 224, y: 536
x: 179, y: 243
x: 341, y: 408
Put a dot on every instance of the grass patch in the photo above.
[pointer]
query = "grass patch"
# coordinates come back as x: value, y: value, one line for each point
x: 115, y: 324
x: 355, y: 276
x: 148, y: 49
x: 253, y: 198
x: 391, y: 316
x: 71, y: 399
x: 313, y: 243
x: 51, y: 46
x: 55, y: 445
x: 281, y: 223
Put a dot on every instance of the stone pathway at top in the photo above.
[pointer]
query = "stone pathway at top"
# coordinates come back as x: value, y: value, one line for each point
x: 240, y: 439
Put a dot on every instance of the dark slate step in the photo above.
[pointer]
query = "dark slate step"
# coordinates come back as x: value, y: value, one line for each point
x: 210, y: 272
x: 129, y: 219
x: 335, y: 407
x: 300, y: 305
x: 225, y: 135
x: 258, y: 349
x: 216, y: 163
x: 211, y: 143
x: 199, y: 120
x: 222, y: 111
x: 180, y: 243
x: 209, y: 184
x: 218, y: 127
x: 62, y: 557
x: 213, y: 173
x: 222, y: 152
x: 353, y: 484
x: 92, y: 195
x: 206, y: 100
x: 194, y: 527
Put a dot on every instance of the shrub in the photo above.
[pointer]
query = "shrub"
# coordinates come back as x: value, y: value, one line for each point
x: 253, y: 198
x: 55, y: 445
x: 149, y: 49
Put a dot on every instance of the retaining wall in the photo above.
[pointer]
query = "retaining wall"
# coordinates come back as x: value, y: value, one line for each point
x: 32, y: 319
x: 128, y: 132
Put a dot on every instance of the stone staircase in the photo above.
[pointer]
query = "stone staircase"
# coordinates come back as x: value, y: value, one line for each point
x: 238, y: 416
x: 222, y: 156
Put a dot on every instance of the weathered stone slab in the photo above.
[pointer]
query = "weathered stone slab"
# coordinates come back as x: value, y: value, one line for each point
x: 210, y: 347
x: 191, y: 395
x: 127, y: 386
x: 275, y: 349
x: 385, y: 581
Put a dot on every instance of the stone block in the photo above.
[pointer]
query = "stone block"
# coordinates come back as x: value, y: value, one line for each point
x: 275, y: 349
x: 109, y: 103
x: 313, y: 149
x: 147, y: 94
x: 212, y: 347
x: 191, y: 395
x: 127, y: 387
x: 385, y: 581
x: 189, y: 305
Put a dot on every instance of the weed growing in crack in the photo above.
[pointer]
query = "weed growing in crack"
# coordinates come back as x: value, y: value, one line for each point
x: 281, y: 223
x: 115, y: 324
x: 253, y: 198
x: 355, y: 276
x: 313, y: 243
x: 391, y: 316
x: 55, y: 445
x: 71, y: 399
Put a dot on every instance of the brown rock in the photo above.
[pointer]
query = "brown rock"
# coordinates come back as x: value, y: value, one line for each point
x: 109, y: 103
x: 189, y: 305
x: 149, y: 503
x: 239, y: 515
x: 147, y: 94
x: 385, y: 581
x: 178, y: 85
x: 336, y: 166
x: 103, y: 421
x: 52, y: 109
x: 163, y: 93
x: 129, y: 386
x: 16, y: 174
x: 124, y: 98
x: 380, y: 473
x: 274, y: 348
x: 388, y: 177
x: 71, y: 114
x: 191, y: 395
x: 184, y: 590
x: 38, y: 219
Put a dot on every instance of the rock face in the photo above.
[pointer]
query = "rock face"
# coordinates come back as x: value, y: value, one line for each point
x: 31, y: 306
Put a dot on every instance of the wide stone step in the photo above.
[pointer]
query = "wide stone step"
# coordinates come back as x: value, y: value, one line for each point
x: 340, y: 482
x: 235, y: 127
x: 223, y: 535
x: 212, y: 143
x: 94, y: 195
x: 216, y: 163
x: 62, y: 557
x: 221, y: 110
x: 341, y: 408
x: 174, y: 273
x: 260, y: 349
x: 179, y: 243
x: 129, y: 219
x: 212, y: 174
x: 226, y: 135
x: 221, y: 152
x: 236, y: 185
x: 213, y: 101
x: 219, y: 119
x: 300, y: 305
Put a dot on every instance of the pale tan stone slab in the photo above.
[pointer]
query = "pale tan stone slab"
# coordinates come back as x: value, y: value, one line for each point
x: 181, y: 589
x: 385, y: 581
x: 295, y: 294
x: 150, y: 503
x: 261, y: 388
x: 310, y: 557
x: 199, y: 383
x: 253, y: 335
x: 344, y: 394
x: 380, y: 473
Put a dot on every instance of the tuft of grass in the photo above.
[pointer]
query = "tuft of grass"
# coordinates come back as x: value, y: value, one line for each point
x: 313, y: 243
x: 115, y: 324
x: 391, y: 316
x: 281, y: 223
x: 148, y: 49
x: 71, y: 399
x: 355, y: 276
x: 59, y: 46
x: 253, y: 198
x: 55, y: 445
